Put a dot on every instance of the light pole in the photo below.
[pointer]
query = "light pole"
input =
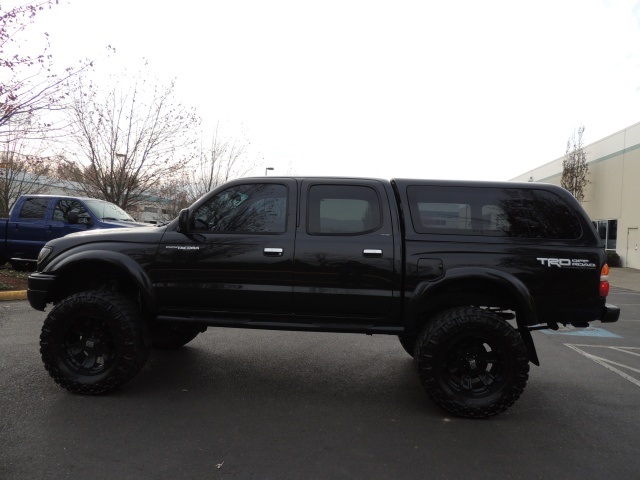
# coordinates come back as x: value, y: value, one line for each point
x: 266, y: 171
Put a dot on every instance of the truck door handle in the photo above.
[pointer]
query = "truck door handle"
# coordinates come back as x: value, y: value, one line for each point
x: 371, y: 253
x: 273, y: 252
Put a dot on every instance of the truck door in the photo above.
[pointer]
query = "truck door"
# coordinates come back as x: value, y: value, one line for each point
x: 25, y: 231
x: 344, y: 264
x: 237, y: 256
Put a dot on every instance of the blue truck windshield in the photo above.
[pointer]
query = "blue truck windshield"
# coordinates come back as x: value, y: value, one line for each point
x: 108, y: 211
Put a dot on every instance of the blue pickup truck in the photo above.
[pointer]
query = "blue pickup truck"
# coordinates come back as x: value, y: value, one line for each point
x: 36, y: 219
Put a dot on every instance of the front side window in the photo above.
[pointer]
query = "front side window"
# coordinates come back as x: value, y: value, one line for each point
x: 255, y: 208
x: 64, y: 206
x: 343, y: 210
x: 34, y: 208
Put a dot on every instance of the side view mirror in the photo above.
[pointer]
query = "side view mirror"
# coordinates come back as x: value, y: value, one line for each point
x: 72, y: 217
x: 183, y: 221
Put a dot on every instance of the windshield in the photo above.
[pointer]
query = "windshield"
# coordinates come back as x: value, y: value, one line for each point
x: 108, y: 211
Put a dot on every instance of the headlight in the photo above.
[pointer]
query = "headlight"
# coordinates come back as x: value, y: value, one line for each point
x: 44, y: 253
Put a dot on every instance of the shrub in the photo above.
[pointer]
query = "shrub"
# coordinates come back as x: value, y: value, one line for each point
x: 613, y: 259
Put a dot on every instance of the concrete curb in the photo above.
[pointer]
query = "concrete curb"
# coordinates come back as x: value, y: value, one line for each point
x: 13, y: 295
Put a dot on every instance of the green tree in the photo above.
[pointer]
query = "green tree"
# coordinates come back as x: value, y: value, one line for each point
x: 574, y: 166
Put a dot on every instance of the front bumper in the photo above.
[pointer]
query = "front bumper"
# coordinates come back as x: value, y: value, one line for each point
x: 39, y: 289
x: 610, y: 314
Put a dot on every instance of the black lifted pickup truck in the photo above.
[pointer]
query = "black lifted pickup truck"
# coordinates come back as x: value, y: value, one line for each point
x: 461, y: 272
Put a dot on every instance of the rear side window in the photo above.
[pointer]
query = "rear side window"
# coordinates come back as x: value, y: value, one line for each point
x: 343, y: 210
x: 34, y: 208
x: 491, y: 212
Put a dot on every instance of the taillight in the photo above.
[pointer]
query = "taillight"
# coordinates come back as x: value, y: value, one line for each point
x: 604, y: 281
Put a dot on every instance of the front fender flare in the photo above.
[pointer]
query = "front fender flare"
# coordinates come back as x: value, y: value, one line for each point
x: 119, y: 260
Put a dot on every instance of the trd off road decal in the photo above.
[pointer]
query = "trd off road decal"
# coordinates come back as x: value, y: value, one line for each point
x: 567, y: 262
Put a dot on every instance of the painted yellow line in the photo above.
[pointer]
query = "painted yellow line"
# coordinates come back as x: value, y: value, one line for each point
x: 13, y: 295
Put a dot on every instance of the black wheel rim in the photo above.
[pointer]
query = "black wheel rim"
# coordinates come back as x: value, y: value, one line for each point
x: 89, y: 347
x: 474, y: 367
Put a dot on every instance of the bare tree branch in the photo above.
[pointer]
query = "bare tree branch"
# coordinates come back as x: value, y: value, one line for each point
x: 23, y: 170
x: 574, y: 166
x: 28, y: 84
x: 224, y: 159
x: 129, y: 139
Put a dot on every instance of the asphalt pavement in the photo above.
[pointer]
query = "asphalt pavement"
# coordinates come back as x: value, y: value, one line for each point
x: 628, y: 278
x: 251, y: 404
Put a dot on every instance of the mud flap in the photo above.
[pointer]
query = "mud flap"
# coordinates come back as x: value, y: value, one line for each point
x: 528, y: 342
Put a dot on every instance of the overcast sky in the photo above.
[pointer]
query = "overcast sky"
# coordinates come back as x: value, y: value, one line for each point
x: 448, y: 89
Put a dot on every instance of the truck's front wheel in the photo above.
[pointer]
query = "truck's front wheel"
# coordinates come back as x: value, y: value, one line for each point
x: 472, y: 362
x: 408, y: 342
x: 92, y: 342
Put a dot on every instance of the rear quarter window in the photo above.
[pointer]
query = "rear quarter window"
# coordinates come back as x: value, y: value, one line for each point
x: 493, y: 212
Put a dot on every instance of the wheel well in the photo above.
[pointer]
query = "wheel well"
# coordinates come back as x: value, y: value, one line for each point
x: 467, y: 293
x: 89, y: 275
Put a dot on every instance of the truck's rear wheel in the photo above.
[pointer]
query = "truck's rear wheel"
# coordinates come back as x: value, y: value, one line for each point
x: 471, y: 362
x: 91, y: 342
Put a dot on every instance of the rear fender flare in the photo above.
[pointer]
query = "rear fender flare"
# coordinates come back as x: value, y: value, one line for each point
x: 525, y: 303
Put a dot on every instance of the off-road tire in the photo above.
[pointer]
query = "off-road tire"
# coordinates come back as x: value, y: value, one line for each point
x: 471, y: 362
x: 170, y: 337
x: 92, y: 342
x: 408, y: 342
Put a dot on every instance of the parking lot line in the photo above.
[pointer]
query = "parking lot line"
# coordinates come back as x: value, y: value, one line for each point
x: 610, y: 364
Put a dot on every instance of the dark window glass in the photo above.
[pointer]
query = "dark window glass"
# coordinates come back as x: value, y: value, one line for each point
x: 612, y: 237
x: 491, y: 212
x: 550, y: 216
x: 608, y: 232
x: 602, y: 229
x: 343, y: 210
x: 64, y: 206
x: 34, y: 208
x: 257, y: 208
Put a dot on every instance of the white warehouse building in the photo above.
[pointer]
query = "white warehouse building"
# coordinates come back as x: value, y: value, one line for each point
x: 612, y: 196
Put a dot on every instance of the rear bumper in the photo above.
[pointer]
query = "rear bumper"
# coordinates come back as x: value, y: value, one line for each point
x: 610, y: 314
x: 39, y: 289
